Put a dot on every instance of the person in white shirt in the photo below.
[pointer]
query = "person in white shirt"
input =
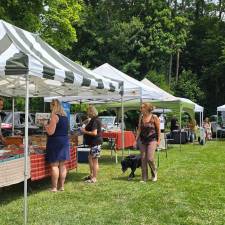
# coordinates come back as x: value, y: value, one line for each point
x: 162, y: 122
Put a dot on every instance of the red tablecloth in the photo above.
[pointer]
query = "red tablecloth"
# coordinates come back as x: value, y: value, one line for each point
x: 129, y: 138
x: 39, y: 168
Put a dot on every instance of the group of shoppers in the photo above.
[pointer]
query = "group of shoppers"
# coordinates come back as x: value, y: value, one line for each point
x: 58, y: 144
x: 58, y: 149
x: 148, y: 137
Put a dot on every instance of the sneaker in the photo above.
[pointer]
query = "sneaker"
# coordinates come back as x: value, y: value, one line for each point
x: 142, y: 181
x: 154, y: 179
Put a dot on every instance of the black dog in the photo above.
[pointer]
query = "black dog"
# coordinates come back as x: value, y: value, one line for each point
x: 133, y: 162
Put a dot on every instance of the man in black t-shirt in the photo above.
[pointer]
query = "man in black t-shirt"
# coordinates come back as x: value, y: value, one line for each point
x: 92, y: 137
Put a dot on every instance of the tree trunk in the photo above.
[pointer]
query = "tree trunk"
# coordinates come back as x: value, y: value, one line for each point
x: 178, y: 64
x: 220, y: 9
x: 170, y: 69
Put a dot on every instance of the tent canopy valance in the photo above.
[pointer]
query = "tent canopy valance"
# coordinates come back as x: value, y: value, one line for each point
x: 176, y: 106
x: 23, y: 53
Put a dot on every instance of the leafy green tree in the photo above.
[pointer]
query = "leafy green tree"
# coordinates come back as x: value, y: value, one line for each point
x: 188, y: 87
x: 54, y: 20
x: 58, y: 20
x: 134, y: 36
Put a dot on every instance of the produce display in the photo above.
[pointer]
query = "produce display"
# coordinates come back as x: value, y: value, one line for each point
x: 12, y: 159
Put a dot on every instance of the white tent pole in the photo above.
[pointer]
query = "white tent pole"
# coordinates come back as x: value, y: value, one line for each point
x: 216, y: 122
x: 122, y: 118
x: 26, y: 150
x: 122, y: 121
x: 44, y: 106
x: 13, y: 116
x: 180, y: 127
x: 202, y: 117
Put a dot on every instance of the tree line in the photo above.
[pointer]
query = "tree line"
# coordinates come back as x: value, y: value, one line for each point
x: 177, y: 44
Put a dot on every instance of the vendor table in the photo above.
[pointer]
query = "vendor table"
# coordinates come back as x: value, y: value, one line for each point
x: 12, y: 168
x: 129, y: 138
x: 41, y: 169
x: 12, y: 171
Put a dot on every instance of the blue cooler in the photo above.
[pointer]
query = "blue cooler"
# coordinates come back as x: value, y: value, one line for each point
x: 82, y: 153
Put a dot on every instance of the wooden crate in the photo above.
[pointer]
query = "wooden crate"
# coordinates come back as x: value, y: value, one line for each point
x: 14, y: 140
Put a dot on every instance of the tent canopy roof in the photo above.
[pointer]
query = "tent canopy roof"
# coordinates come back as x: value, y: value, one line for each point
x: 169, y: 97
x: 50, y: 73
x: 133, y: 88
x: 166, y: 95
x: 221, y: 108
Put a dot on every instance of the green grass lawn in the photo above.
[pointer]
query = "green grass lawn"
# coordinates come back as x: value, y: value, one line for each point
x: 190, y: 190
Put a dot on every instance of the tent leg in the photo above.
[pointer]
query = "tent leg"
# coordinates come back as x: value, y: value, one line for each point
x: 116, y: 157
x: 26, y: 151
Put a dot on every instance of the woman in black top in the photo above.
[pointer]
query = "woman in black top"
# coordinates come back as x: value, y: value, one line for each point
x: 92, y: 137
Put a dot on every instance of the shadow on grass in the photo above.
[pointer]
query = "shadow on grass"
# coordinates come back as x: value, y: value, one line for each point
x: 125, y: 178
x: 16, y: 191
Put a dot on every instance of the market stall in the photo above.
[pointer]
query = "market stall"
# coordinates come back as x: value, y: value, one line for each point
x: 29, y: 67
x: 220, y: 128
x: 12, y: 160
x: 129, y: 138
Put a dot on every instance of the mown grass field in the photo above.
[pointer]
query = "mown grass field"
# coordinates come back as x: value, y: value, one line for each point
x: 190, y: 190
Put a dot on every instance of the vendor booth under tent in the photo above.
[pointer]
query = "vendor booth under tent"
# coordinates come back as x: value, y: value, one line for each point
x: 220, y: 109
x: 171, y: 98
x: 132, y: 89
x: 198, y: 109
x: 29, y: 67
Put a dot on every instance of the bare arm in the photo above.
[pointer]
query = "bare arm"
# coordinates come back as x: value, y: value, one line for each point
x: 2, y: 139
x: 50, y: 128
x: 139, y: 127
x: 157, y: 125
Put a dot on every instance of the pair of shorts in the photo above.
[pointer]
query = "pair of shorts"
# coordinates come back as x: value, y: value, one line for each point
x: 95, y: 151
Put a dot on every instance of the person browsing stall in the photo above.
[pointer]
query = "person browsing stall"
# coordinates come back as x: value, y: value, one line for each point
x: 208, y: 128
x: 57, y: 145
x: 148, y: 136
x: 92, y: 137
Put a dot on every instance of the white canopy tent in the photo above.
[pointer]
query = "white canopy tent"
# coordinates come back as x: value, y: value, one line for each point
x: 30, y: 67
x: 199, y: 109
x: 133, y: 89
x: 221, y: 108
x: 167, y: 96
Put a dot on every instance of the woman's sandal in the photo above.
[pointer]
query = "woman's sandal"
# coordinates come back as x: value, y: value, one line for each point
x: 53, y: 190
x: 91, y: 181
x: 87, y: 178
